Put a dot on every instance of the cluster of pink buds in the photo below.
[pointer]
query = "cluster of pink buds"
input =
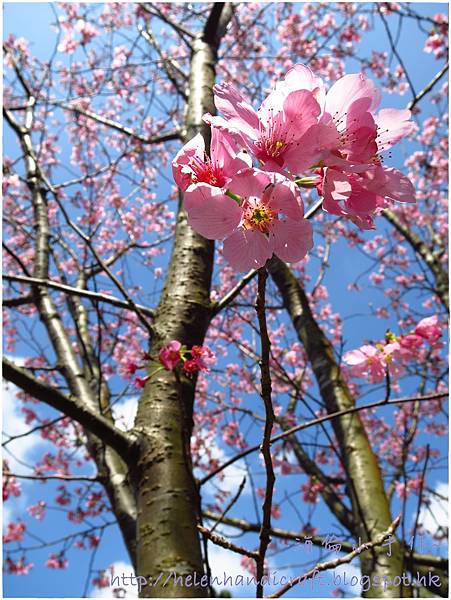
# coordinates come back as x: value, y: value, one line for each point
x: 199, y: 358
x: 373, y: 362
x: 247, y: 191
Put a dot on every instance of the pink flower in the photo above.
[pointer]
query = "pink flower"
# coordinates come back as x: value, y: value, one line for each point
x: 356, y: 134
x: 428, y: 329
x: 410, y: 344
x: 170, y: 355
x: 87, y: 30
x: 19, y: 567
x: 63, y: 498
x: 140, y: 382
x: 191, y: 165
x: 68, y: 45
x: 56, y: 561
x: 190, y: 366
x: 360, y: 196
x: 367, y: 361
x: 201, y: 358
x: 37, y: 510
x: 102, y: 580
x: 15, y: 532
x: 10, y: 485
x: 280, y: 134
x: 254, y: 229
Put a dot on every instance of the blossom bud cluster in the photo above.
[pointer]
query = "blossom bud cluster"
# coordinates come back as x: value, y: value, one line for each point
x: 199, y: 358
x: 246, y: 191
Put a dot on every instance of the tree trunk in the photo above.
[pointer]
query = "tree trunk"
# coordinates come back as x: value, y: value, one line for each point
x: 168, y: 505
x: 366, y: 488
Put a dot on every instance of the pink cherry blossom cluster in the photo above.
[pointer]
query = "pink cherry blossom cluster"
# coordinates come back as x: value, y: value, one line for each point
x: 372, y: 362
x: 57, y: 561
x: 301, y: 136
x: 18, y: 567
x: 11, y: 487
x: 14, y: 532
x: 199, y: 358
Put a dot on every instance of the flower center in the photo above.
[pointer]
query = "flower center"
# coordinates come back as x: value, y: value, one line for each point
x: 205, y: 171
x: 258, y: 217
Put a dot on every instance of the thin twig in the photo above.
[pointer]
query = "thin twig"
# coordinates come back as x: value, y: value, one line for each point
x: 79, y: 292
x: 265, y: 536
x: 429, y: 87
x: 230, y: 505
x: 224, y: 543
x: 57, y: 477
x: 317, y: 421
x: 332, y: 564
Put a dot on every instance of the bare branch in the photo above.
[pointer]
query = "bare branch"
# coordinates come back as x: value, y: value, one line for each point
x: 319, y: 420
x: 69, y: 405
x: 224, y: 543
x: 156, y: 139
x: 78, y: 292
x: 429, y: 87
x: 269, y: 423
x: 57, y: 477
x: 332, y: 564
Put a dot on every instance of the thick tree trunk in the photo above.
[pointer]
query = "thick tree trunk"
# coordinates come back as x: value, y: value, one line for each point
x: 167, y: 496
x: 370, y: 504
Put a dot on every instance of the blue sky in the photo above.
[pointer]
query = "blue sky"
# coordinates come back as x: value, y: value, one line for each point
x: 31, y: 21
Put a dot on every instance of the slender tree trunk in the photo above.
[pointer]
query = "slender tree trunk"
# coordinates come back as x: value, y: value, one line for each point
x: 366, y: 488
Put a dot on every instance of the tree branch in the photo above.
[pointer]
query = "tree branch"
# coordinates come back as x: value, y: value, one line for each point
x: 70, y: 406
x: 269, y: 423
x: 156, y: 139
x: 224, y: 543
x: 332, y: 564
x: 77, y: 292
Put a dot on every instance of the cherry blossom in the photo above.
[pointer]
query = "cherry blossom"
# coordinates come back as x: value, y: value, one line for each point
x: 57, y: 561
x: 170, y: 355
x: 192, y: 165
x: 201, y: 358
x: 14, y: 532
x: 276, y: 133
x: 428, y: 329
x: 18, y: 567
x: 253, y: 228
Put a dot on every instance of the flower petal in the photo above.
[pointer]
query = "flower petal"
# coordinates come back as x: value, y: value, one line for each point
x: 250, y: 182
x: 301, y: 112
x: 397, y: 186
x: 247, y: 249
x: 234, y: 107
x: 285, y: 197
x: 393, y: 125
x: 210, y: 212
x: 292, y: 239
x: 180, y: 168
x: 347, y: 90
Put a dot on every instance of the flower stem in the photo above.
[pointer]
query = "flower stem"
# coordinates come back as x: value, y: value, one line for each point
x: 234, y: 197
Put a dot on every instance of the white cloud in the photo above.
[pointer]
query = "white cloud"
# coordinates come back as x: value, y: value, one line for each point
x: 233, y: 475
x: 436, y: 513
x: 20, y: 452
x: 119, y: 568
x: 125, y: 412
x: 225, y: 563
